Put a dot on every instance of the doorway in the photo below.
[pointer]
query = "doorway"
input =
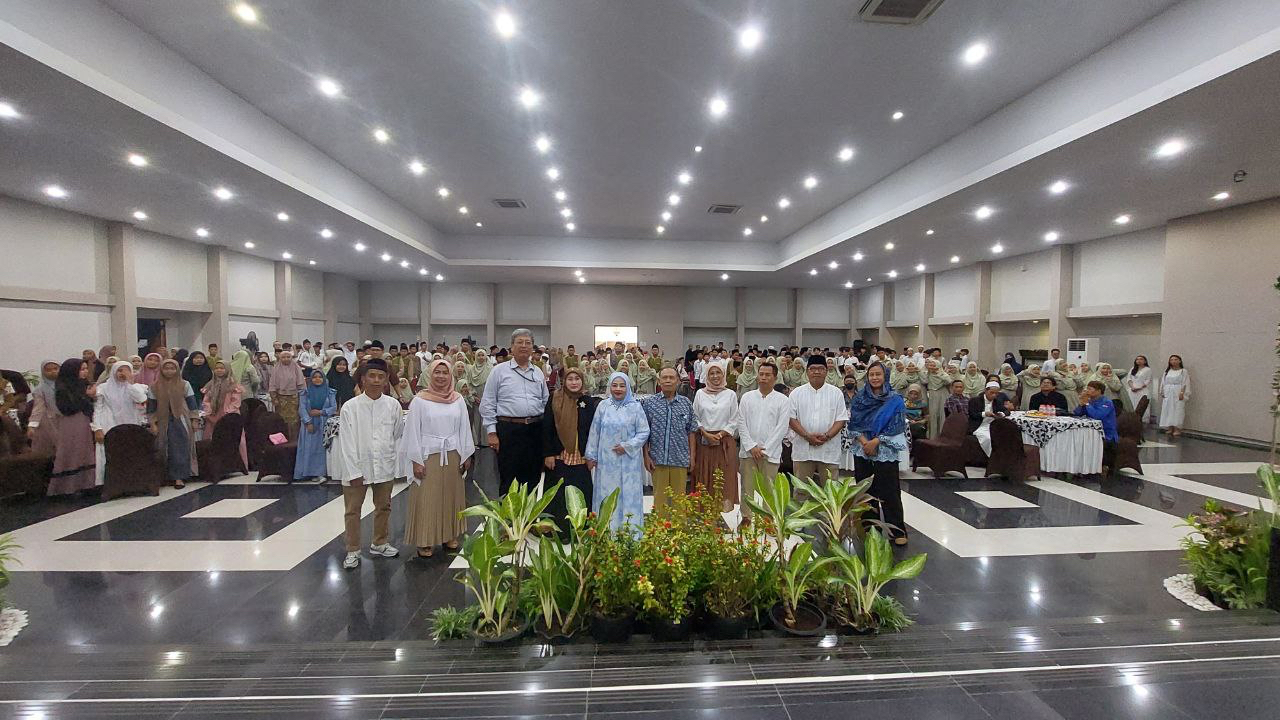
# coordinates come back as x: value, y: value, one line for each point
x: 610, y: 334
x: 151, y: 335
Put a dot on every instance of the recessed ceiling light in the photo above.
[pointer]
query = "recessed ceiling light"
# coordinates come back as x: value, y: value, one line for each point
x: 764, y: 218
x: 810, y: 182
x: 673, y: 199
x: 983, y: 212
x: 404, y: 263
x: 857, y: 257
x: 570, y: 226
x: 249, y: 244
x: 439, y: 277
x: 1222, y: 196
x: 1059, y: 186
x: 684, y: 178
x: 139, y: 215
x: 833, y: 264
x: 463, y: 209
x: 529, y: 97
x: 1051, y: 236
x: 582, y: 279
x: 422, y: 271
x: 553, y: 172
x: 893, y: 273
x: 845, y: 154
x: 561, y: 196
x: 889, y: 246
x: 724, y: 276
x: 202, y: 232
x: 746, y: 231
x: 749, y: 38
x: 286, y: 255
x: 1169, y: 148
x: 55, y: 191
x: 868, y: 279
x: 442, y: 191
x: 381, y: 135
x: 328, y: 86
x: 566, y: 213
x: 222, y: 193
x: 929, y: 231
x: 326, y: 233
x: 504, y: 23
x: 848, y: 284
x: 955, y: 258
x: 542, y: 144
x: 386, y: 257
x: 577, y: 273
x: 479, y: 224
x: 897, y: 114
x: 997, y: 248
x: 359, y: 247
x: 137, y: 160
x: 416, y: 167
x: 813, y: 271
x: 8, y: 111
x: 784, y: 202
x: 717, y: 106
x: 976, y: 53
x: 246, y: 13
x: 697, y: 148
x: 311, y: 262
x: 919, y: 267
x: 666, y: 215
x: 1123, y: 219
x: 282, y: 216
x: 660, y: 229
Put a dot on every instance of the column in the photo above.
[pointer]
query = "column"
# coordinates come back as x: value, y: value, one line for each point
x: 365, y: 290
x: 927, y: 336
x: 424, y: 312
x: 123, y: 285
x: 216, y: 326
x: 1062, y: 264
x: 331, y: 309
x: 491, y: 314
x: 853, y: 333
x: 982, y: 341
x: 740, y: 313
x: 284, y: 301
x: 797, y: 312
x: 886, y: 312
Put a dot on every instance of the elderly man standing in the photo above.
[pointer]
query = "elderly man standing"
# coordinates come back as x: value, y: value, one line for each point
x: 515, y: 397
x: 818, y: 414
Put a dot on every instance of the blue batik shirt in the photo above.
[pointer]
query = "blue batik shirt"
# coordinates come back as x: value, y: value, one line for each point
x: 670, y: 422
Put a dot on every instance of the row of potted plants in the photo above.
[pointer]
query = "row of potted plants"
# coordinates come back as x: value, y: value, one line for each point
x: 812, y: 559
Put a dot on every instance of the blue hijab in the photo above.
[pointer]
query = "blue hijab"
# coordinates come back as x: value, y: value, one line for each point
x: 873, y: 415
x: 317, y: 395
x: 627, y: 399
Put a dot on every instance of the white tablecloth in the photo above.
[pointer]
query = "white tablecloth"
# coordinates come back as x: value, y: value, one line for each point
x: 1077, y: 450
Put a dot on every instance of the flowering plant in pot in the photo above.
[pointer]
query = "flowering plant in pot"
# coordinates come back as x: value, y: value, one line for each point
x: 561, y: 574
x: 1227, y: 555
x: 614, y: 593
x: 664, y: 580
x: 741, y: 572
x: 856, y: 581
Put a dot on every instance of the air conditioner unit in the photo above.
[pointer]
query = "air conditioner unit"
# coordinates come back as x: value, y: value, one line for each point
x: 1083, y: 350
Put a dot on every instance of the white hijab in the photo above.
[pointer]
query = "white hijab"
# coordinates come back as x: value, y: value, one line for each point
x: 123, y: 397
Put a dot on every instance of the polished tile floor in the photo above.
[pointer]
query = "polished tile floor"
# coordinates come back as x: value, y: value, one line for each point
x: 235, y: 592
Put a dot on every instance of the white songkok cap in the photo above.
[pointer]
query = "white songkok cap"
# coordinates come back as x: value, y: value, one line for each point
x: 993, y: 384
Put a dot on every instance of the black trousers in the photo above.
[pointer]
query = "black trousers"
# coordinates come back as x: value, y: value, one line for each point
x: 576, y: 475
x: 886, y: 490
x: 519, y: 453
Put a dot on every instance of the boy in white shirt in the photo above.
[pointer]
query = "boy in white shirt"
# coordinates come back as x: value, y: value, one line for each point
x: 371, y: 426
x: 764, y: 418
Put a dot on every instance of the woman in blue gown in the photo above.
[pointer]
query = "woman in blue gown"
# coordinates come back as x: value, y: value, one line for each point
x: 318, y: 403
x: 615, y: 452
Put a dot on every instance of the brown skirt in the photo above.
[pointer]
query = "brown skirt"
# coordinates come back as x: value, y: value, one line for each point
x: 76, y: 457
x: 431, y: 517
x: 723, y: 457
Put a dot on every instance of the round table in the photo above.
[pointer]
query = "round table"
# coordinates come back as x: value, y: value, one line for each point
x: 1067, y: 443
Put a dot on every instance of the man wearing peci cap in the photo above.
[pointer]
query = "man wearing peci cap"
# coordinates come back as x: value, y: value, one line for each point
x: 984, y: 408
x: 818, y: 414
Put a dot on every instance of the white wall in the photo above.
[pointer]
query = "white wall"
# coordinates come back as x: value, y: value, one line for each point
x: 824, y: 307
x: 312, y: 330
x: 170, y: 269
x: 906, y: 300
x: 396, y: 333
x: 520, y: 304
x: 1122, y: 338
x: 954, y: 293
x: 308, y: 290
x: 1017, y: 336
x: 502, y: 335
x: 394, y: 301
x: 240, y: 327
x: 452, y: 334
x: 462, y: 302
x: 51, y: 249
x: 1118, y: 270
x: 709, y: 336
x: 64, y: 332
x: 951, y: 337
x: 349, y: 331
x: 658, y: 312
x: 870, y: 306
x: 251, y: 283
x: 711, y: 304
x: 1021, y: 283
x: 824, y: 338
x: 769, y: 306
x: 765, y: 337
x: 346, y: 295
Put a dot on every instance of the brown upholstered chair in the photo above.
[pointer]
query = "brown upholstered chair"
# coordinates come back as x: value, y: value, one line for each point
x: 271, y: 459
x: 133, y: 463
x: 220, y: 455
x: 21, y: 471
x: 1009, y: 457
x: 1141, y: 408
x: 945, y: 453
x: 1125, y: 453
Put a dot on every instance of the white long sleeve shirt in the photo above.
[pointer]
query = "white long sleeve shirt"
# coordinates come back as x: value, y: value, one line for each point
x: 368, y: 436
x: 715, y: 413
x: 764, y: 420
x: 817, y: 410
x: 431, y: 430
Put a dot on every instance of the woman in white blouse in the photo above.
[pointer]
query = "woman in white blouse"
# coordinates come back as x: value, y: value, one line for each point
x: 715, y: 408
x: 1175, y: 390
x: 1138, y: 384
x: 437, y: 442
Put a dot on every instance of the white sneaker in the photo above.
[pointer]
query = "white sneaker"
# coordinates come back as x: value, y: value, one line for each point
x: 383, y: 550
x: 352, y: 560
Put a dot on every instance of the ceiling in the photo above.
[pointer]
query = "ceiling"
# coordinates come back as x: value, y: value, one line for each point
x: 624, y: 91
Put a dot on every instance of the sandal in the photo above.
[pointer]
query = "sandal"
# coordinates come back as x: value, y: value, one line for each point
x: 900, y: 541
x: 178, y: 485
x: 430, y: 553
x: 452, y: 546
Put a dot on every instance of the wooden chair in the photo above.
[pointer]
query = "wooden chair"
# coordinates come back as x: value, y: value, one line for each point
x: 1125, y: 451
x: 21, y: 471
x: 220, y: 456
x: 271, y: 459
x: 1009, y: 457
x: 945, y: 453
x: 133, y: 463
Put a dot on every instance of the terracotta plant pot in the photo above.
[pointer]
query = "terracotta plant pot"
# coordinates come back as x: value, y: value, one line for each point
x: 606, y: 629
x: 809, y: 620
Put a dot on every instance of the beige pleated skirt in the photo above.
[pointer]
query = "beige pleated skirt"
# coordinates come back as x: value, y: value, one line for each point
x: 710, y: 458
x: 432, y: 515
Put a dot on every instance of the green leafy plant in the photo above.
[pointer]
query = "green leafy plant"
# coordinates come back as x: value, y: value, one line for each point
x: 797, y: 576
x: 613, y: 585
x: 1270, y: 481
x: 664, y: 582
x: 782, y: 515
x: 1227, y: 554
x: 551, y: 582
x: 491, y: 577
x: 451, y: 623
x: 741, y: 571
x: 856, y: 581
x: 7, y: 548
x: 890, y: 614
x: 587, y: 530
x: 840, y: 502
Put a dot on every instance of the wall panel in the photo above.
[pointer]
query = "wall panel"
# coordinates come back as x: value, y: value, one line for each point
x: 64, y: 332
x: 395, y: 301
x: 241, y: 326
x: 954, y: 293
x: 459, y: 302
x: 769, y: 306
x: 870, y: 306
x: 51, y: 249
x: 825, y: 307
x: 167, y: 268
x: 1124, y: 269
x: 906, y: 300
x: 308, y: 290
x: 711, y: 304
x: 522, y: 304
x: 1021, y: 283
x: 251, y: 282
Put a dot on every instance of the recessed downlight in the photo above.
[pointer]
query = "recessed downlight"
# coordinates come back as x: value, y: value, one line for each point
x: 464, y: 210
x: 997, y: 248
x: 561, y: 196
x: 893, y: 273
x: 439, y: 277
x: 975, y: 53
x: 553, y: 172
x: 784, y: 202
x: 1171, y: 147
x: 1059, y: 186
x: 955, y: 259
x: 326, y: 233
x: 223, y: 193
x: 749, y: 38
x: 1222, y: 196
x: 897, y: 115
x: 889, y: 246
x: 542, y: 144
x: 764, y: 218
x: 582, y: 279
x: 845, y: 154
x: 1051, y: 236
x: 983, y: 212
x: 359, y: 247
x: 417, y: 167
x: 286, y: 255
x: 747, y: 231
x: 138, y: 160
x: 684, y: 178
x: 724, y: 276
x: 529, y: 98
x: 717, y: 106
x: 328, y: 86
x: 697, y: 148
x: 848, y: 285
x: 1123, y: 219
x: 404, y: 263
x: 577, y: 273
x: 810, y: 182
x: 660, y: 229
x: 386, y: 257
x: 249, y: 244
x: 566, y: 213
x: 813, y: 271
x: 55, y: 191
x: 504, y: 23
x: 442, y: 191
x: 919, y: 267
x: 479, y: 224
x: 381, y: 135
x: 246, y: 13
x: 929, y: 231
x: 422, y: 271
x: 570, y: 226
x: 833, y: 264
x: 139, y: 215
x: 311, y: 262
x: 673, y: 199
x: 282, y: 216
x: 202, y: 232
x: 857, y: 257
x: 8, y: 111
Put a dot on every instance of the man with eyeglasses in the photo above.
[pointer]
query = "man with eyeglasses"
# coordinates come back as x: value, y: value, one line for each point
x: 515, y: 397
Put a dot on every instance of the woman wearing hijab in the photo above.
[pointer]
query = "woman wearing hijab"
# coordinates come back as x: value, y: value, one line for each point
x: 974, y: 381
x: 136, y: 362
x: 150, y: 370
x: 1008, y: 379
x: 1138, y: 384
x: 646, y: 379
x: 120, y: 401
x: 198, y: 372
x: 566, y: 426
x: 402, y: 392
x: 878, y: 427
x: 106, y: 372
x: 1175, y: 390
x: 906, y: 375
x: 1115, y: 388
x: 170, y: 402
x: 340, y: 381
x: 437, y: 446
x: 715, y: 408
x: 614, y: 452
x: 222, y: 395
x: 318, y: 404
x: 42, y: 427
x: 794, y: 376
x: 1029, y: 378
x: 96, y: 366
x: 1012, y: 362
x: 917, y: 409
x: 333, y: 354
x: 1065, y: 375
x: 262, y: 364
x: 243, y: 373
x: 747, y: 379
x: 285, y: 384
x: 937, y: 385
x: 74, y: 460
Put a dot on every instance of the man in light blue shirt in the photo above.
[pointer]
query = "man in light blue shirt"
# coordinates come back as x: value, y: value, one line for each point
x: 515, y: 397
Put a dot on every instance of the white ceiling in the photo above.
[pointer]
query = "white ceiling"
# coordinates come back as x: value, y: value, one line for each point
x: 625, y: 87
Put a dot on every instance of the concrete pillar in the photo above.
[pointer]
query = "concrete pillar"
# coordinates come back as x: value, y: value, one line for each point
x: 217, y: 328
x: 886, y: 313
x: 123, y: 285
x: 424, y: 312
x: 284, y: 301
x: 1062, y: 264
x: 365, y: 292
x: 797, y: 312
x: 853, y: 333
x: 740, y: 313
x: 927, y: 336
x: 328, y: 280
x: 982, y: 341
x: 491, y: 315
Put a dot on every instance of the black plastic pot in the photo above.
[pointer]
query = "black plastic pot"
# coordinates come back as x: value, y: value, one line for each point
x: 606, y: 629
x: 732, y: 628
x: 809, y: 620
x: 667, y: 631
x: 519, y: 628
x: 555, y: 635
x: 1273, y: 572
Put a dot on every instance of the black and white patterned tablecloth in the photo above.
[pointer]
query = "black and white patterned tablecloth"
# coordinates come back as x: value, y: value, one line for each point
x: 1044, y: 429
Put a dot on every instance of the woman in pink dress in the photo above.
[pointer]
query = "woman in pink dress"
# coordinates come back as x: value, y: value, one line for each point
x: 222, y: 396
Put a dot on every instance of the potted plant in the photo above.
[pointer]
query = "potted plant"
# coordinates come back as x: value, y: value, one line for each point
x: 491, y: 577
x: 664, y: 581
x: 614, y: 586
x: 586, y: 532
x: 736, y: 571
x: 451, y: 623
x: 7, y: 548
x: 855, y: 584
x: 840, y: 503
x: 798, y: 574
x: 1271, y: 482
x: 553, y: 587
x: 1228, y: 555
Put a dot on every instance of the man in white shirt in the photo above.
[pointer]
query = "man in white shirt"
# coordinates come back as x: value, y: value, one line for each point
x: 310, y: 359
x: 370, y: 427
x: 700, y: 369
x: 818, y: 414
x: 349, y: 352
x: 1050, y: 365
x: 764, y: 418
